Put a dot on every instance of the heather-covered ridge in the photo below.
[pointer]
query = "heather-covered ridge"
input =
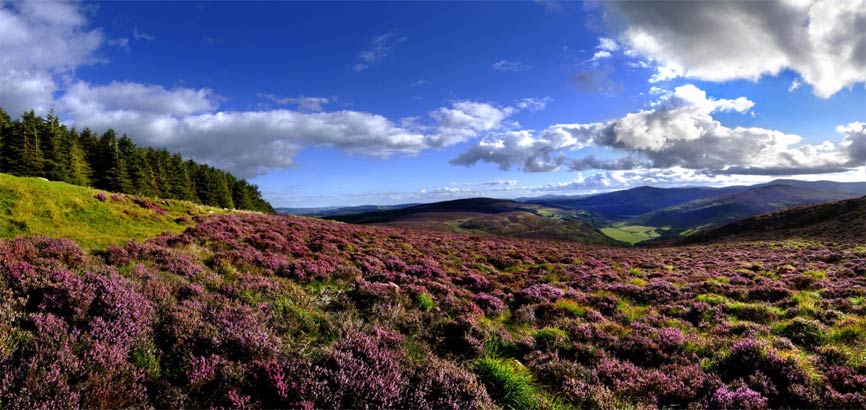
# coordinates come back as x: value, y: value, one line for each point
x: 279, y: 311
x: 835, y: 221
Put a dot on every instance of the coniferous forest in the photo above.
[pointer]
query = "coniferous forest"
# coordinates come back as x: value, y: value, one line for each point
x: 43, y: 147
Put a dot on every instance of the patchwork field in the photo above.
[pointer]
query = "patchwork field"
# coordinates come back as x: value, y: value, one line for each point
x: 631, y: 233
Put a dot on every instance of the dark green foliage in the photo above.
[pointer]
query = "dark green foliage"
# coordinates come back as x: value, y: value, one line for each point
x: 44, y: 147
x: 21, y: 153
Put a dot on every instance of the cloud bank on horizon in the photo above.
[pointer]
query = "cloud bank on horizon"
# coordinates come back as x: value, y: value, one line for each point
x: 680, y: 133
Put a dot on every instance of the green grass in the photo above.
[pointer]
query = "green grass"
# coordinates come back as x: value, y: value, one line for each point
x: 631, y: 233
x: 570, y: 306
x: 33, y: 206
x: 509, y: 383
x: 424, y: 301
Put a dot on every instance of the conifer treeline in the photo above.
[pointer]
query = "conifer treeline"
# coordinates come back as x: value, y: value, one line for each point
x: 43, y: 147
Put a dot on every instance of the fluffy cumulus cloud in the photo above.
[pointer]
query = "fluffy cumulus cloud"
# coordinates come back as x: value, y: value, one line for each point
x: 824, y: 41
x: 40, y: 42
x: 854, y: 142
x: 677, y: 131
x: 254, y: 142
x: 468, y: 119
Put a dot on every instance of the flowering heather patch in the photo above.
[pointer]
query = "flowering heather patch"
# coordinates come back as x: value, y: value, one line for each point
x: 285, y: 312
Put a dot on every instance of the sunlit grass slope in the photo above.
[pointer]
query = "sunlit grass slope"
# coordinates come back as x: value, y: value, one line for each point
x: 33, y: 206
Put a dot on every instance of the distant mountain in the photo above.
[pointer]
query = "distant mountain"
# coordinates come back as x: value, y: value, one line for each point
x: 338, y: 210
x: 853, y: 188
x: 488, y: 216
x: 640, y: 215
x: 630, y: 203
x: 732, y: 206
x: 836, y: 221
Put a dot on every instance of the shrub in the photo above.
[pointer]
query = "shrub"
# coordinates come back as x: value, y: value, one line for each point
x: 550, y: 338
x: 742, y: 398
x: 538, y: 293
x: 804, y: 332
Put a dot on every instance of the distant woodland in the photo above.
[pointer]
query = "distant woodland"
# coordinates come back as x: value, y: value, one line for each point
x: 43, y: 147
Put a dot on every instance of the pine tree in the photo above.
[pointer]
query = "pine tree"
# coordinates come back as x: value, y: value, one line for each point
x: 76, y: 160
x: 21, y: 147
x: 111, y: 173
x: 55, y: 157
x: 180, y: 183
x: 241, y: 195
x: 219, y: 188
x: 5, y: 128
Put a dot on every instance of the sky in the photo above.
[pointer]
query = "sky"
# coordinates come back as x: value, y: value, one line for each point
x: 334, y: 104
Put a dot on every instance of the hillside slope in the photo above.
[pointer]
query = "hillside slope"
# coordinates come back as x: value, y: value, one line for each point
x: 34, y: 206
x: 721, y: 209
x: 489, y: 216
x: 842, y: 221
x: 264, y: 311
x: 630, y: 203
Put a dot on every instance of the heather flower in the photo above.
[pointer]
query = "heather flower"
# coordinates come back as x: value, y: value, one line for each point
x: 365, y: 371
x: 538, y: 293
x: 490, y: 304
x: 443, y: 385
x: 202, y: 370
x: 740, y: 398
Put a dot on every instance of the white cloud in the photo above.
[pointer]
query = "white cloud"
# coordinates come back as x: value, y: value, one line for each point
x: 510, y: 66
x: 309, y: 104
x: 854, y: 142
x: 253, y: 142
x: 601, y: 54
x: 824, y: 41
x: 607, y: 44
x: 41, y: 42
x: 533, y: 152
x: 606, y: 47
x: 134, y: 97
x: 533, y: 103
x: 465, y: 120
x: 380, y: 47
x: 678, y: 131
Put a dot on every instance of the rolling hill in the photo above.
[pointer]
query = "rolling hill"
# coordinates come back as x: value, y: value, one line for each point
x: 842, y: 221
x: 324, y: 212
x: 488, y: 216
x: 640, y: 215
x: 630, y: 203
x: 718, y: 210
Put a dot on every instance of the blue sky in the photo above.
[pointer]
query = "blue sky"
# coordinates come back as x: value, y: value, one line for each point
x: 350, y: 103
